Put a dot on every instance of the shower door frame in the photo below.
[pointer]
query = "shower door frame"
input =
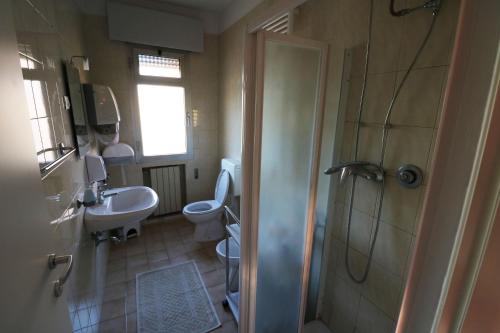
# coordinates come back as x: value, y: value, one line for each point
x: 252, y: 103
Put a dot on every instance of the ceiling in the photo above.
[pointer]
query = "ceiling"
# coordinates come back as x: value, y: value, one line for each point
x: 211, y: 5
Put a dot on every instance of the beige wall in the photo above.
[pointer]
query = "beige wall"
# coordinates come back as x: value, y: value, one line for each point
x: 230, y: 97
x: 61, y: 21
x: 110, y: 65
x: 345, y: 305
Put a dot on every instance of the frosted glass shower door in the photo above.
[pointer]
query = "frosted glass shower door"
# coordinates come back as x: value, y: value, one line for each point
x: 289, y: 95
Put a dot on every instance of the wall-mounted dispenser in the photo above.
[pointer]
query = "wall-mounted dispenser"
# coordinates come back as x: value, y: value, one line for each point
x: 119, y: 154
x: 96, y: 171
x: 103, y: 113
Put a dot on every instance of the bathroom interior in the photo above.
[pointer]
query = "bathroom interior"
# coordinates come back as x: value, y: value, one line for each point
x: 242, y: 166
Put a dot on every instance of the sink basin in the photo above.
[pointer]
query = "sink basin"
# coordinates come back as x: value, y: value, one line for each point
x: 129, y: 205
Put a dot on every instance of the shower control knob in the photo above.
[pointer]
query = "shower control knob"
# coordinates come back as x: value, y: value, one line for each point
x: 409, y: 176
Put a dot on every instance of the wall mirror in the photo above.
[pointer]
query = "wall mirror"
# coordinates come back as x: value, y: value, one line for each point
x: 81, y: 131
x: 53, y: 91
x: 45, y: 93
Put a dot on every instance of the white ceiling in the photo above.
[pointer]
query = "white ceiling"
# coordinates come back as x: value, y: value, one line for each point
x: 212, y: 5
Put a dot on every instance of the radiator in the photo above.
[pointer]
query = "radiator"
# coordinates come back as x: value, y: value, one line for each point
x: 169, y: 182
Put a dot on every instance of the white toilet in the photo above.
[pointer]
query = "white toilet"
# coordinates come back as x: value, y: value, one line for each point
x: 207, y: 215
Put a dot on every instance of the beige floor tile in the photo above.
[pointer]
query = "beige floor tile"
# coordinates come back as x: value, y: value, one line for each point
x: 224, y: 314
x: 131, y: 304
x: 157, y: 256
x: 160, y: 244
x: 115, y: 265
x: 227, y: 327
x: 115, y: 291
x: 116, y: 325
x: 159, y: 264
x: 131, y: 322
x: 116, y: 277
x: 133, y: 271
x: 214, y: 278
x: 137, y: 260
x: 217, y: 293
x: 113, y: 309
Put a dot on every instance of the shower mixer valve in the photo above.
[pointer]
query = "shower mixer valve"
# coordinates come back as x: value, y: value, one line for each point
x: 366, y: 170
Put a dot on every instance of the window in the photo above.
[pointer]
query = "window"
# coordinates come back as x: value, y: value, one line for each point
x: 161, y: 99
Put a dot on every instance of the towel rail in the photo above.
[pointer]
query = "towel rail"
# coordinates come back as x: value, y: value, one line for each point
x: 232, y: 231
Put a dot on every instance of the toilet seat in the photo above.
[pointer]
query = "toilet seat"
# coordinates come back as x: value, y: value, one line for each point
x: 202, y: 207
x: 207, y: 214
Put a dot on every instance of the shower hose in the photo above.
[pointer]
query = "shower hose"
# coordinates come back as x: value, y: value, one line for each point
x: 385, y: 130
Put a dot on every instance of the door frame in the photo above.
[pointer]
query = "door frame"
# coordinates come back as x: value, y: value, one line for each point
x: 252, y: 86
x: 456, y: 219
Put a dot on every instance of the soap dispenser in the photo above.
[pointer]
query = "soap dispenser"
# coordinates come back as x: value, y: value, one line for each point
x: 89, y: 198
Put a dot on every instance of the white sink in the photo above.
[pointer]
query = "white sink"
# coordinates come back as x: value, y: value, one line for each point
x: 128, y: 205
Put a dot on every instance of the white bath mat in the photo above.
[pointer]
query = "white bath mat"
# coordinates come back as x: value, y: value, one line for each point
x: 174, y: 299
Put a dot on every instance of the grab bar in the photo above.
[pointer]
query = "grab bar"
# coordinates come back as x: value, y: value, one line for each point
x: 55, y: 260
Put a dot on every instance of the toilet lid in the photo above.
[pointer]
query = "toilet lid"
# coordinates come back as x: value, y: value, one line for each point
x: 222, y: 186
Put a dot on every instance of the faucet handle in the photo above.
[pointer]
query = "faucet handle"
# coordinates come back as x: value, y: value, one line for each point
x: 103, y: 186
x: 345, y: 173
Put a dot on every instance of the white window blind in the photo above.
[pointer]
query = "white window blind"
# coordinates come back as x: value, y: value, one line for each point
x: 150, y: 65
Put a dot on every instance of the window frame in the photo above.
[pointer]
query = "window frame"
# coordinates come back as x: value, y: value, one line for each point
x: 183, y: 82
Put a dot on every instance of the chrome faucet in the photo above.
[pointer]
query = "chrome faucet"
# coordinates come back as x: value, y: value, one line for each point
x: 366, y: 170
x: 101, y: 195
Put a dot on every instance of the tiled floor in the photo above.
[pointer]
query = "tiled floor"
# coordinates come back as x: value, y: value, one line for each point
x: 164, y: 242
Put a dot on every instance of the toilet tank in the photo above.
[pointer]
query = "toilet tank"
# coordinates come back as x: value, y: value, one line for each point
x: 233, y: 166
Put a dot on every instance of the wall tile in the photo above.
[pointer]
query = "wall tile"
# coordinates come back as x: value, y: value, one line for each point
x: 391, y: 248
x: 438, y: 48
x: 372, y: 320
x: 347, y: 142
x: 366, y: 193
x: 400, y: 205
x: 333, y: 260
x: 343, y: 194
x: 431, y: 154
x: 357, y: 59
x: 338, y: 221
x: 408, y: 262
x: 370, y: 139
x: 344, y: 308
x: 416, y: 224
x: 357, y: 265
x: 408, y: 145
x: 386, y: 39
x: 355, y: 86
x: 379, y: 92
x: 419, y: 100
x: 361, y: 230
x: 383, y: 288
